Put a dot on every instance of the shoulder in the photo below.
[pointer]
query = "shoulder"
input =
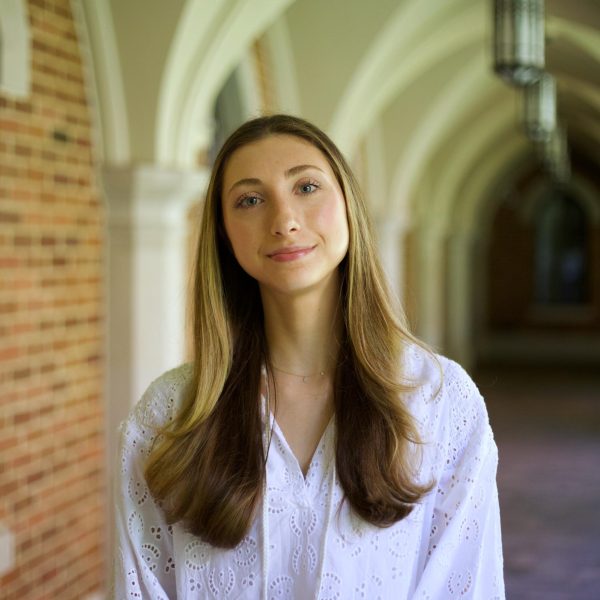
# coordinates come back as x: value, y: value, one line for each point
x: 438, y: 380
x: 161, y: 400
x: 445, y: 401
x: 425, y: 367
x: 155, y: 409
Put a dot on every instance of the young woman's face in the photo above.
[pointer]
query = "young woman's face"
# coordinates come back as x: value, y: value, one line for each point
x: 284, y: 214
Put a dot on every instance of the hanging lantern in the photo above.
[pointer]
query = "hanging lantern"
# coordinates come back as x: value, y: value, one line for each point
x: 519, y: 40
x: 539, y: 108
x: 555, y: 153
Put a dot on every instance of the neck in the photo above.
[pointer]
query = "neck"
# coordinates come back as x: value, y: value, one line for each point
x: 303, y: 330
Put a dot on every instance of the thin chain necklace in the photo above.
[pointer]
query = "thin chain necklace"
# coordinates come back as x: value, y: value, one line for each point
x: 303, y: 377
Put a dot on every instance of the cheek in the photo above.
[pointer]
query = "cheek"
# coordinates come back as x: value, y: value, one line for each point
x: 333, y: 220
x: 242, y: 242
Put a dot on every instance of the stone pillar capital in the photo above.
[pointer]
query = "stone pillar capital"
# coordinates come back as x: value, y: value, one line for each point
x: 150, y: 195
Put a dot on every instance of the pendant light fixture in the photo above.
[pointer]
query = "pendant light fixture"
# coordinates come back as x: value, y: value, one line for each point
x: 555, y: 155
x: 539, y: 108
x: 519, y: 40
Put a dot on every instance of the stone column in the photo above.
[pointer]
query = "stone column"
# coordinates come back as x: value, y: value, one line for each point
x: 431, y: 289
x: 390, y: 237
x: 460, y: 299
x: 147, y: 276
x: 147, y: 279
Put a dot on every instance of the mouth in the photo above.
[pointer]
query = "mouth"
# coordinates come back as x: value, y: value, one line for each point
x: 290, y: 253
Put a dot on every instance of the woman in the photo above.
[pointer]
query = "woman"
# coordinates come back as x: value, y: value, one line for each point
x: 314, y: 448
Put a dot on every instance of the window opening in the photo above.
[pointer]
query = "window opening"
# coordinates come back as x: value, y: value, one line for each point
x: 561, y: 252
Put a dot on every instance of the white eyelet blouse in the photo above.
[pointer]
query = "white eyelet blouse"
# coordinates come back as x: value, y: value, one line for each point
x: 301, y: 546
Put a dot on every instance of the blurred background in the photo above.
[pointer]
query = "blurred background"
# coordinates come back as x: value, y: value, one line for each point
x: 485, y: 193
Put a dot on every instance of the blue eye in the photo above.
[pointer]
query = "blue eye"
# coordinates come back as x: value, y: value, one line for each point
x: 249, y: 201
x: 308, y: 188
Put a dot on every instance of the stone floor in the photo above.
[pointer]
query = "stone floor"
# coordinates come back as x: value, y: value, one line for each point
x: 547, y: 426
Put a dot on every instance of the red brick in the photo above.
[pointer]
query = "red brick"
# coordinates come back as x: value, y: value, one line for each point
x: 8, y: 307
x: 22, y: 195
x: 8, y: 125
x: 47, y: 182
x: 22, y: 240
x: 21, y: 150
x: 23, y: 417
x: 9, y: 262
x: 35, y: 175
x: 9, y: 353
x: 22, y: 504
x: 6, y: 217
x: 7, y: 488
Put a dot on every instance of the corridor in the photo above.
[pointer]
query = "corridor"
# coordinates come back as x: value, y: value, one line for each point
x: 547, y: 425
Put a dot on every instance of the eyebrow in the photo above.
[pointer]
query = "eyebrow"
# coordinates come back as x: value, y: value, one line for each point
x: 289, y: 173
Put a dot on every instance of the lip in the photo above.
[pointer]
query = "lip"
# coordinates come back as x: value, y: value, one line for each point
x: 290, y: 253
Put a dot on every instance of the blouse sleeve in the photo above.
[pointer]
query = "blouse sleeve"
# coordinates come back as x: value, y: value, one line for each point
x: 464, y: 554
x: 144, y: 566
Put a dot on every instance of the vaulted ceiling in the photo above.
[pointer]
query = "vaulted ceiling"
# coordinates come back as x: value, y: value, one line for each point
x: 406, y: 89
x: 410, y: 80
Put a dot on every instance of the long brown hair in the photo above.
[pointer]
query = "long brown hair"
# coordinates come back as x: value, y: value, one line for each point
x: 208, y: 466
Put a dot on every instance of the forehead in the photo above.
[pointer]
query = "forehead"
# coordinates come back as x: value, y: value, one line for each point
x: 272, y: 155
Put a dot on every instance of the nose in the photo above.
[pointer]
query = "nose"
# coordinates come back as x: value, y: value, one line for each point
x: 284, y: 220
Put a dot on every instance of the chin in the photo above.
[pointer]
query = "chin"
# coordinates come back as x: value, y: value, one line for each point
x: 297, y: 284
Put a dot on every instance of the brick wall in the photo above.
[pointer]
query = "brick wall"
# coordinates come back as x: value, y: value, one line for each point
x: 52, y: 475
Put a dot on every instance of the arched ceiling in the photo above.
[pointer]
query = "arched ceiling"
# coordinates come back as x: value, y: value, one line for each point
x: 330, y: 41
x: 418, y: 71
x: 425, y: 79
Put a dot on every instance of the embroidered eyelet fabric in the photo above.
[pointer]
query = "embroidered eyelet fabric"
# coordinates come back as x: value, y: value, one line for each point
x: 448, y: 547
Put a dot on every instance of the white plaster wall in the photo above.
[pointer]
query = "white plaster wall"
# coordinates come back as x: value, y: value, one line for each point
x: 15, y: 72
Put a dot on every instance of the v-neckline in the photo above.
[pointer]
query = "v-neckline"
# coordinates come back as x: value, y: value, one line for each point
x: 320, y: 448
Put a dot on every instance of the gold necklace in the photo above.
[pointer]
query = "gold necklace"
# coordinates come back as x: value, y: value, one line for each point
x: 303, y: 377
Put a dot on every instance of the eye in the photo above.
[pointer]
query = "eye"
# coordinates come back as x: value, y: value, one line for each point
x: 308, y: 187
x: 248, y: 201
